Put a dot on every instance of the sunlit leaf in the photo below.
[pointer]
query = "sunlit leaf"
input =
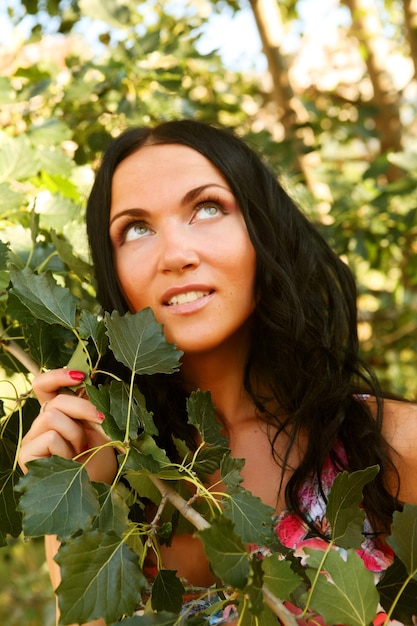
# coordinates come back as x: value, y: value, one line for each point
x: 349, y: 596
x: 252, y: 519
x: 57, y: 497
x: 43, y: 297
x: 167, y: 592
x: 403, y: 538
x: 343, y: 510
x: 226, y: 552
x: 17, y: 158
x: 138, y: 342
x: 201, y: 414
x: 95, y: 567
x: 66, y: 252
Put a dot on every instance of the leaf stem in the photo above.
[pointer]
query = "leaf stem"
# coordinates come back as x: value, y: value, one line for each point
x: 397, y: 597
x: 314, y: 583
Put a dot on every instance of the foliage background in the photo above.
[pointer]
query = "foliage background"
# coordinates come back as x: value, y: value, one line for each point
x: 333, y: 110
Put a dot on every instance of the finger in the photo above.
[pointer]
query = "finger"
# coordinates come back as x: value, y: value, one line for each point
x: 66, y: 428
x: 48, y: 384
x: 75, y: 407
x: 48, y: 444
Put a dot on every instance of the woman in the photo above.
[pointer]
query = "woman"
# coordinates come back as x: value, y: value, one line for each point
x: 186, y: 219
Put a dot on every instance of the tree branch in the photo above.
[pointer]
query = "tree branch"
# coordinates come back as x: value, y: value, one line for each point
x: 190, y: 514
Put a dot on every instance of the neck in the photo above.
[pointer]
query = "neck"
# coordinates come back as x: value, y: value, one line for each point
x: 222, y: 373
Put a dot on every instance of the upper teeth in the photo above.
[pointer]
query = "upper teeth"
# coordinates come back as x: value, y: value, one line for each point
x: 184, y: 298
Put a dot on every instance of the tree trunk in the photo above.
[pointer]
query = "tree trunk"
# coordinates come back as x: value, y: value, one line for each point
x: 410, y: 21
x: 294, y: 117
x: 367, y: 28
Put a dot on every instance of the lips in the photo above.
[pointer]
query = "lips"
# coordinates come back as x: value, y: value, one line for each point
x: 186, y: 297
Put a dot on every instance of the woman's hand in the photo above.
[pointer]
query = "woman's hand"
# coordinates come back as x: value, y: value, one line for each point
x: 67, y: 426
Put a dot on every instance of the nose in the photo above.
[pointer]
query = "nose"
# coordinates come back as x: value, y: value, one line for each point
x: 178, y: 251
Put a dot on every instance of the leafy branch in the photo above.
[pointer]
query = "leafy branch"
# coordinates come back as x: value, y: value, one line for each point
x: 101, y: 542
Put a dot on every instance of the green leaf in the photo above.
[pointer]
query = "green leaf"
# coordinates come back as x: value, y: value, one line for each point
x: 95, y: 568
x: 208, y: 460
x: 349, y: 596
x: 226, y: 552
x: 74, y: 262
x: 343, y: 512
x: 254, y: 586
x: 10, y: 518
x: 80, y: 360
x: 140, y: 418
x: 100, y: 397
x: 230, y: 469
x: 251, y: 517
x: 391, y: 589
x: 17, y: 158
x: 138, y: 342
x: 114, y: 511
x: 57, y: 498
x: 201, y: 414
x: 91, y: 327
x: 279, y: 577
x: 403, y: 538
x: 43, y: 297
x: 167, y: 592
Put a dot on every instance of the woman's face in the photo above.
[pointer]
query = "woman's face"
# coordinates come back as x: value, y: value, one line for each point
x: 181, y: 246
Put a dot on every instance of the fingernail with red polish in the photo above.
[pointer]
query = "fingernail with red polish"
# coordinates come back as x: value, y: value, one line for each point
x: 84, y: 448
x: 76, y: 375
x: 100, y: 416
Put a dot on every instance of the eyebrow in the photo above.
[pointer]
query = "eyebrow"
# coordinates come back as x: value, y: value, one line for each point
x: 188, y: 197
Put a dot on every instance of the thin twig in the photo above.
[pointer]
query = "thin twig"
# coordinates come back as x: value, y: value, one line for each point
x: 23, y: 357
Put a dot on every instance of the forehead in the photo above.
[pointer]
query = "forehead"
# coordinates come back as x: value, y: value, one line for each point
x: 164, y: 159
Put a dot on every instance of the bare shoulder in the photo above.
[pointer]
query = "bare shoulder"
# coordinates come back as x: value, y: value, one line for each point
x: 400, y: 431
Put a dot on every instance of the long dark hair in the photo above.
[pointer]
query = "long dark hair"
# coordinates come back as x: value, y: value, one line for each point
x: 304, y: 347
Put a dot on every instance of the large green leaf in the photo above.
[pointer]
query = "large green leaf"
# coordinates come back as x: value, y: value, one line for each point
x: 344, y: 592
x: 138, y: 342
x: 226, y: 552
x: 202, y: 415
x: 403, y: 538
x: 57, y: 498
x: 252, y: 519
x: 101, y: 577
x: 343, y: 510
x: 43, y: 297
x: 167, y: 592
